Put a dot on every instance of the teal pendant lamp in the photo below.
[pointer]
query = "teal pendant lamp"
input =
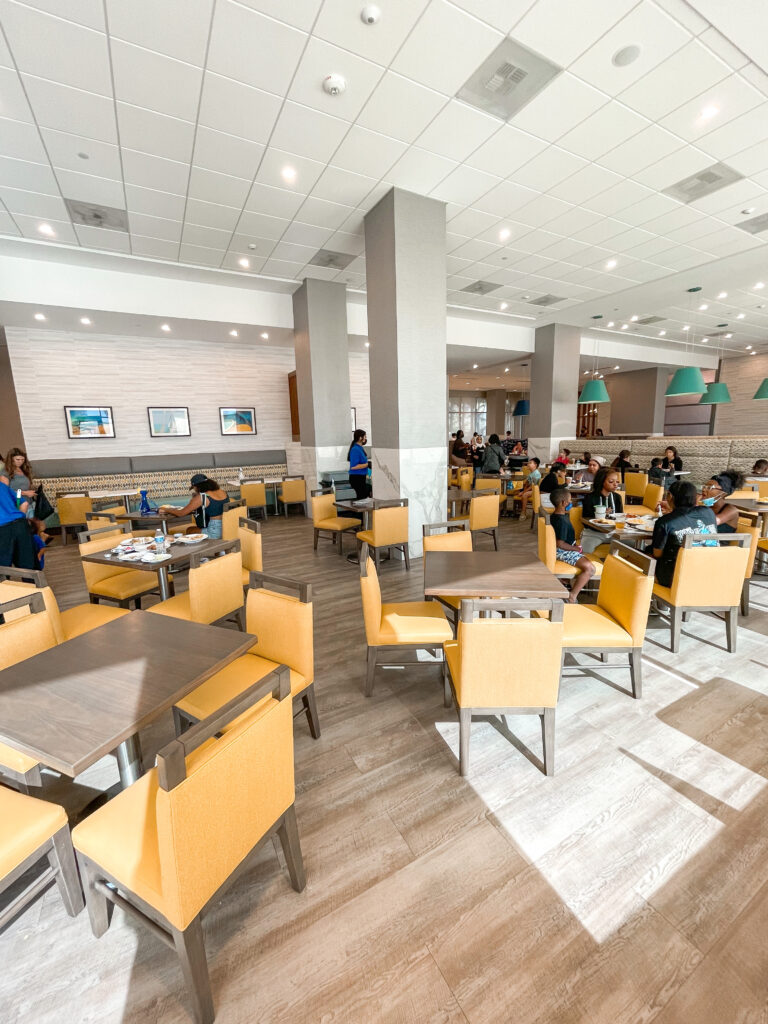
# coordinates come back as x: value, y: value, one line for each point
x: 593, y: 393
x: 688, y: 380
x: 522, y: 407
x: 717, y: 393
x: 762, y: 391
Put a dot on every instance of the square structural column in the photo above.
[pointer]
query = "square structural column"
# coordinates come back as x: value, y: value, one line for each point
x: 554, y: 389
x: 322, y: 377
x: 405, y: 273
x: 638, y: 401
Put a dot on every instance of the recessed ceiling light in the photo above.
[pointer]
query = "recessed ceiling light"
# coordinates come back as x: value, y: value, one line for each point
x: 233, y: 333
x: 586, y: 373
x: 264, y: 335
x: 687, y: 327
x: 504, y: 234
x: 729, y: 335
x: 40, y: 316
x: 466, y: 382
x: 704, y: 340
x: 85, y: 320
x: 624, y: 327
x: 506, y: 369
x: 702, y: 307
x: 633, y: 319
x: 709, y: 112
x: 610, y: 323
x: 611, y: 265
x: 723, y: 295
x: 83, y: 156
x: 626, y: 55
x: 288, y: 173
x: 474, y: 366
x: 759, y: 285
x: 749, y: 209
x: 749, y: 347
x: 165, y: 327
x: 601, y: 376
x: 739, y: 316
x: 524, y: 297
x: 46, y: 229
x: 503, y: 306
x: 753, y: 353
x: 244, y: 262
x: 616, y: 367
x: 662, y: 333
x: 367, y: 344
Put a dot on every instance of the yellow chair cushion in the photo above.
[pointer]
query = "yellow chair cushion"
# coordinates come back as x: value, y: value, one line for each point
x: 85, y: 617
x: 127, y: 584
x: 336, y: 523
x: 763, y: 543
x: 15, y: 761
x: 591, y: 626
x: 452, y: 653
x: 664, y: 593
x: 413, y: 622
x: 232, y: 680
x: 25, y: 824
x: 177, y: 607
x: 366, y: 536
x: 563, y: 569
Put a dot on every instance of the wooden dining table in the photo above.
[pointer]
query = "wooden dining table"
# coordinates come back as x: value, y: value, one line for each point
x: 78, y: 701
x: 503, y: 574
x: 751, y: 505
x: 151, y: 519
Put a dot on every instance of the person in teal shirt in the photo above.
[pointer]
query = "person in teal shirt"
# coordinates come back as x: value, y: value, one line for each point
x: 358, y: 466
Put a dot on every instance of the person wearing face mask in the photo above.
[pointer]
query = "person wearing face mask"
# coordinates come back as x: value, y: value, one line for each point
x: 669, y: 530
x: 358, y: 466
x: 606, y: 483
x: 714, y: 494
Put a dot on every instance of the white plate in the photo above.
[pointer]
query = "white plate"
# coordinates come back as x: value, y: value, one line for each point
x: 131, y: 556
x: 150, y: 557
x: 192, y: 538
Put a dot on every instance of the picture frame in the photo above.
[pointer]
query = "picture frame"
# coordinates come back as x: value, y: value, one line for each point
x: 169, y: 421
x: 88, y: 422
x: 237, y: 420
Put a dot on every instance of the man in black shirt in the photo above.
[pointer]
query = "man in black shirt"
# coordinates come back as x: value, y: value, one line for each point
x: 670, y: 529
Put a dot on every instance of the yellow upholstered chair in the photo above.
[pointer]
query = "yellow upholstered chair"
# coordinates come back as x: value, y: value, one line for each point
x: 249, y: 535
x: 634, y: 485
x: 106, y: 517
x: 749, y: 524
x: 484, y: 516
x: 111, y: 582
x: 465, y: 476
x: 325, y: 519
x: 535, y: 503
x: 547, y: 552
x: 709, y: 577
x: 284, y: 627
x: 230, y: 521
x: 389, y: 529
x: 31, y: 830
x: 507, y: 666
x: 491, y: 483
x: 166, y: 848
x: 576, y: 515
x: 254, y: 495
x: 456, y: 538
x: 411, y: 625
x: 652, y: 495
x: 215, y: 589
x: 293, y: 491
x: 72, y: 510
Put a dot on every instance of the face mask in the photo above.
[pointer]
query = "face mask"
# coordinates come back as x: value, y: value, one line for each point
x: 709, y: 502
x: 569, y: 506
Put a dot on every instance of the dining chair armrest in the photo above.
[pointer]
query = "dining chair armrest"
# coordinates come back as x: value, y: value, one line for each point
x: 646, y: 563
x: 87, y: 535
x: 89, y: 516
x: 34, y: 601
x: 250, y: 524
x: 261, y: 579
x: 472, y: 606
x: 429, y: 529
x: 742, y: 539
x: 225, y: 547
x: 12, y: 572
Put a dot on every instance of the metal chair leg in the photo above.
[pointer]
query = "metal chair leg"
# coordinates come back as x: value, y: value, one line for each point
x: 636, y: 671
x: 548, y: 740
x: 371, y: 669
x: 731, y: 628
x: 465, y: 728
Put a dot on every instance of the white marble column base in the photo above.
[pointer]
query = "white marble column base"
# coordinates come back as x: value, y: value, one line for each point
x: 312, y: 463
x: 544, y: 448
x: 418, y: 474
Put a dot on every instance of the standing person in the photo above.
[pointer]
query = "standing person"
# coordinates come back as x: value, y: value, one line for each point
x: 670, y: 529
x: 19, y: 473
x: 493, y: 457
x: 603, y: 492
x: 508, y: 444
x: 534, y: 477
x: 459, y: 450
x: 16, y: 544
x: 358, y: 466
x: 714, y: 494
x: 671, y: 462
x: 206, y: 505
x: 565, y: 539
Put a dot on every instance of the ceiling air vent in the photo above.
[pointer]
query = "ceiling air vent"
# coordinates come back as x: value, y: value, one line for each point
x: 546, y: 300
x: 332, y: 260
x: 754, y: 225
x: 703, y: 183
x: 651, y: 320
x: 507, y: 80
x: 95, y: 216
x: 481, y: 287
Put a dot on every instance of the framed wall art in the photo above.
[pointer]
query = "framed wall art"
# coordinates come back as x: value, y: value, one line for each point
x: 237, y: 421
x: 89, y: 421
x: 168, y: 421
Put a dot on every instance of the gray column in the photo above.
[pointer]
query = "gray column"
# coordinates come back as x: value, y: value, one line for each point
x: 405, y: 271
x: 496, y: 405
x: 322, y: 376
x: 638, y: 401
x: 554, y: 388
x: 10, y: 420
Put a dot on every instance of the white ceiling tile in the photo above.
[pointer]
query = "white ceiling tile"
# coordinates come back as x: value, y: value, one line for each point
x: 501, y: 14
x: 34, y: 204
x: 226, y: 153
x: 44, y: 45
x: 674, y: 219
x: 548, y: 169
x: 150, y: 80
x: 292, y: 253
x: 308, y: 132
x: 231, y: 262
x: 68, y: 110
x: 474, y: 250
x: 101, y: 238
x: 749, y: 161
x: 366, y: 152
x: 253, y: 49
x: 154, y: 248
x: 755, y: 76
x: 457, y: 130
x: 647, y: 147
x: 342, y: 241
x: 214, y: 187
x: 420, y: 171
x: 155, y: 227
x: 212, y: 238
x: 155, y: 172
x: 64, y: 151
x: 573, y: 222
x: 727, y: 202
x: 445, y: 47
x: 275, y: 202
x: 651, y: 250
x: 629, y: 239
x: 63, y: 230
x: 626, y: 193
x: 21, y: 140
x: 464, y: 185
x: 262, y: 226
x: 319, y: 273
x: 228, y: 106
x: 400, y: 109
x: 344, y: 187
x: 177, y: 28
x: 657, y: 35
x: 275, y: 160
x: 13, y: 102
x: 691, y: 232
x: 728, y: 99
x: 564, y: 31
x: 724, y: 48
x: 564, y: 103
x: 564, y: 249
x: 541, y: 210
x: 344, y: 27
x: 607, y: 128
x: 85, y: 12
x: 504, y: 199
x: 603, y: 230
x: 249, y: 245
x: 738, y: 133
x: 682, y: 12
x: 677, y: 80
x: 150, y: 132
x: 674, y: 168
x: 212, y: 215
x: 584, y: 184
x: 23, y: 174
x: 306, y: 234
x: 469, y: 223
x: 299, y: 13
x: 320, y: 59
x: 652, y: 206
x: 322, y: 214
x: 6, y: 60
x: 88, y: 188
x: 155, y: 204
x: 505, y: 151
x: 281, y: 268
x: 200, y: 255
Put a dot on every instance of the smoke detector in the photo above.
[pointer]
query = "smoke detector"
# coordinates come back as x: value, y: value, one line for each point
x: 370, y: 14
x: 334, y: 85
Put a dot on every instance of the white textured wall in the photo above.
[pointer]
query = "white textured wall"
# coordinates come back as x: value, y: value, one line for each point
x: 54, y: 369
x: 359, y: 390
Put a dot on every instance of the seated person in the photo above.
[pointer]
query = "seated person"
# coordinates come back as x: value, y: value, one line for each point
x: 508, y: 444
x: 564, y: 456
x: 714, y: 494
x: 760, y: 468
x: 621, y: 462
x: 604, y: 487
x: 554, y: 478
x: 670, y: 529
x: 587, y: 476
x: 656, y: 474
x: 534, y: 477
x: 671, y: 461
x: 567, y: 550
x: 207, y: 504
x: 518, y: 449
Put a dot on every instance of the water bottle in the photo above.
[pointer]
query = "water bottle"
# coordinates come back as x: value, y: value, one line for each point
x: 333, y: 487
x: 240, y: 475
x: 18, y: 498
x: 159, y: 541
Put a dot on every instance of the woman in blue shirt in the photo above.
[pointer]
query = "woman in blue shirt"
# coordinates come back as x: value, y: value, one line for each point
x: 358, y: 466
x: 16, y: 545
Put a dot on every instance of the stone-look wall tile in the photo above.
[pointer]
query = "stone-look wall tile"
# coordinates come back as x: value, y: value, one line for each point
x: 418, y: 474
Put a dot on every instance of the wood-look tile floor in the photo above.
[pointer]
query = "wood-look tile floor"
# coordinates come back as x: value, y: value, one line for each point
x: 631, y: 887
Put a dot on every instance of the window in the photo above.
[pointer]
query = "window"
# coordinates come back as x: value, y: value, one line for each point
x: 467, y: 413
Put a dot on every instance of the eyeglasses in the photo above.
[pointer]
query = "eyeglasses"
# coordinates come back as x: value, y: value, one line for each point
x: 711, y: 487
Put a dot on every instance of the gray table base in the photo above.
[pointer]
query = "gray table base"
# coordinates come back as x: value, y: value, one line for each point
x: 129, y: 761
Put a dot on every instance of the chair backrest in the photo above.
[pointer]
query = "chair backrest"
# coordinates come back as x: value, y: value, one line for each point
x: 626, y: 587
x: 390, y: 526
x: 72, y: 510
x: 216, y: 587
x: 282, y: 622
x: 104, y: 517
x: 218, y: 789
x: 230, y: 521
x: 249, y: 535
x: 509, y: 662
x: 12, y: 588
x: 323, y: 508
x: 547, y: 543
x: 535, y: 499
x: 254, y: 494
x: 102, y: 540
x: 30, y: 634
x: 294, y: 490
x: 762, y: 488
x: 452, y: 540
x: 652, y: 495
x: 749, y: 523
x: 465, y: 478
x: 576, y: 516
x: 484, y: 512
x: 371, y: 595
x: 635, y: 484
x: 488, y: 483
x: 711, y: 574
